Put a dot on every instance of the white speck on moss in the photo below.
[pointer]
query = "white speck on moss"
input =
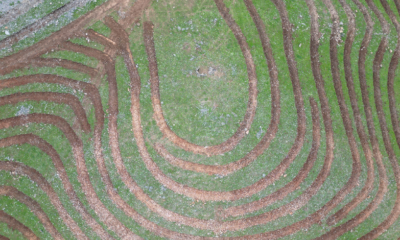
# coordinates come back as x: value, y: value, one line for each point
x: 23, y: 110
x: 203, y: 110
x: 259, y: 133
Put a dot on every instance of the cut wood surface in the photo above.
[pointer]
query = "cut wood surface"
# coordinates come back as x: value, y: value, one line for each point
x: 91, y: 149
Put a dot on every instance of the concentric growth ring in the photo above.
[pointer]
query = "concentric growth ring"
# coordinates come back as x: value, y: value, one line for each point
x: 104, y: 170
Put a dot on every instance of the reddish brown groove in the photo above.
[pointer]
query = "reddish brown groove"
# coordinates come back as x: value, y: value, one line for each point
x: 67, y: 64
x: 130, y: 183
x: 116, y: 156
x: 140, y: 142
x: 275, y: 105
x: 135, y: 83
x: 90, y: 52
x: 118, y: 44
x: 135, y: 92
x: 357, y: 117
x: 33, y: 206
x: 134, y: 13
x: 381, y: 169
x: 196, y: 193
x: 77, y: 148
x: 390, y: 85
x: 338, y: 231
x: 57, y: 62
x: 292, y: 185
x: 279, y: 212
x: 42, y: 182
x: 102, y: 168
x: 60, y: 98
x: 95, y: 36
x: 88, y: 88
x: 382, y: 120
x: 21, y: 169
x: 317, y: 216
x: 15, y: 224
x: 7, y: 63
x: 224, y: 226
x: 152, y: 227
x: 363, y: 84
x: 334, y: 41
x: 281, y: 193
x: 244, y: 126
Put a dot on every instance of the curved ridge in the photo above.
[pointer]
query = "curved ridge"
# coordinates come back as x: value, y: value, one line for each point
x: 44, y: 146
x: 109, y: 219
x: 33, y: 206
x: 15, y: 224
x: 244, y: 125
x: 339, y: 215
x: 233, y: 218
